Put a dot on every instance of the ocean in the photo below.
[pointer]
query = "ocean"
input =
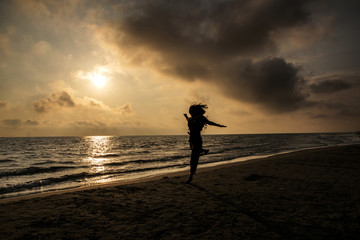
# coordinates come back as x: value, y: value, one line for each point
x: 32, y: 165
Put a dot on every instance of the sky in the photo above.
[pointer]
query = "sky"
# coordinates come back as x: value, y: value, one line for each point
x: 86, y: 67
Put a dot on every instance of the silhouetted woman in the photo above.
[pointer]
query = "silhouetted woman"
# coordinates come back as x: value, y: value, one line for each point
x: 196, y: 123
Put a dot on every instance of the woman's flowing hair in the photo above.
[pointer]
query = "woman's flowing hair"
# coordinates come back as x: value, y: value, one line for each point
x: 197, y: 109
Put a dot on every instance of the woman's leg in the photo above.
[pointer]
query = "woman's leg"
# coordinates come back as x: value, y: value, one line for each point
x: 194, y: 160
x: 196, y: 148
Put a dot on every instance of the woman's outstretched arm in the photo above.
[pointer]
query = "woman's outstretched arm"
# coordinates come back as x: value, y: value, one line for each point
x: 214, y: 124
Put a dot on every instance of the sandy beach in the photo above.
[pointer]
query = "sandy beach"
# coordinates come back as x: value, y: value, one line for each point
x: 310, y: 194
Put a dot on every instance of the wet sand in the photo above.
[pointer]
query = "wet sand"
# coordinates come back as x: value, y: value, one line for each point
x: 311, y: 194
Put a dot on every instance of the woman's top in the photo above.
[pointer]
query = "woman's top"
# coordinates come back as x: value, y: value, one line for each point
x: 196, y: 124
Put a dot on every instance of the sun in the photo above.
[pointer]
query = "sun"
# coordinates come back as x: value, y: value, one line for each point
x: 98, y: 80
x: 99, y: 77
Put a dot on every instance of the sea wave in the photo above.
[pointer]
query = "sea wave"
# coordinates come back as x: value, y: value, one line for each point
x: 109, y: 155
x: 45, y: 162
x: 78, y: 177
x: 140, y: 161
x: 35, y: 170
x: 6, y: 160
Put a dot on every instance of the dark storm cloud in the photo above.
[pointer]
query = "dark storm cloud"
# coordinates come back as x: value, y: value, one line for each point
x: 210, y: 28
x: 330, y: 86
x: 12, y: 122
x: 272, y: 82
x: 54, y: 101
x: 342, y: 105
x: 335, y: 83
x: 203, y: 39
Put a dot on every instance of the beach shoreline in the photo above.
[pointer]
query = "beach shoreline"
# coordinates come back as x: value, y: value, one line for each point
x: 58, y: 165
x: 156, y: 175
x: 303, y: 194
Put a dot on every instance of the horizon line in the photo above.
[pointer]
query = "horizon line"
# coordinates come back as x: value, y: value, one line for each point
x: 142, y: 135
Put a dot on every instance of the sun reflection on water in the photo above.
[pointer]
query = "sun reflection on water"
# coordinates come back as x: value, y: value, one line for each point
x: 98, y: 146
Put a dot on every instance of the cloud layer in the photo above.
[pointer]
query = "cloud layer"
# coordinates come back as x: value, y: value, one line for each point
x: 218, y: 42
x: 330, y: 86
x: 15, y: 123
x: 54, y: 101
x: 271, y: 82
x: 64, y: 100
x: 334, y: 83
x: 247, y: 59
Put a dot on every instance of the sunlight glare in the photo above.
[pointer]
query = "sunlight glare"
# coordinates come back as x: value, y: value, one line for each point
x: 99, y: 77
x: 98, y: 80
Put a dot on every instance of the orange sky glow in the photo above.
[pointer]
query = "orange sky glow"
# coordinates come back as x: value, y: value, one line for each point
x: 85, y: 67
